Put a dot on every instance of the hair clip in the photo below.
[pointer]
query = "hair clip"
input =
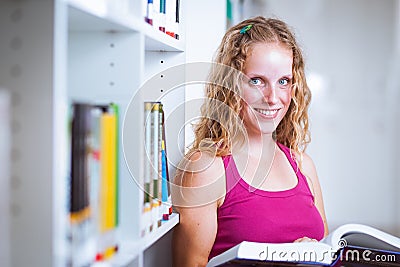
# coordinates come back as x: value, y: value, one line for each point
x: 246, y: 28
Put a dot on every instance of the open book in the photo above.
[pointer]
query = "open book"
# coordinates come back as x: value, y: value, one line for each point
x: 351, y: 243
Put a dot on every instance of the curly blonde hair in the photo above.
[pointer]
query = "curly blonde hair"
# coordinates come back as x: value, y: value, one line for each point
x: 220, y: 124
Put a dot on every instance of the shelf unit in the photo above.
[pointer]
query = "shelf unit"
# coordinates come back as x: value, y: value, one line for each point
x: 5, y: 138
x: 54, y: 52
x: 131, y: 250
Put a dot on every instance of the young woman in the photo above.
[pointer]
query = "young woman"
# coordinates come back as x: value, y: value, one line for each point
x: 247, y: 176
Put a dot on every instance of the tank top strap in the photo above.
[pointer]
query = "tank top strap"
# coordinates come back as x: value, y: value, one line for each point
x: 303, y: 183
x: 232, y: 176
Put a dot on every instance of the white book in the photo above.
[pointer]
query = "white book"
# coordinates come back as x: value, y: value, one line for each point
x: 355, y: 243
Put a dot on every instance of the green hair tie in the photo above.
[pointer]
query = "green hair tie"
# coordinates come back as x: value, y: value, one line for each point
x: 246, y: 28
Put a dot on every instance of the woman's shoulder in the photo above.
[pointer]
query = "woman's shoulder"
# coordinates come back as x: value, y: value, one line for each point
x: 308, y: 169
x: 203, y: 166
x: 307, y: 163
x: 200, y: 178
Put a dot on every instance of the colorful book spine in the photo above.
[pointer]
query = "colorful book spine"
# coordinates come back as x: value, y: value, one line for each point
x: 94, y: 193
x: 149, y: 12
x: 155, y: 163
x: 115, y: 110
x: 155, y: 168
x: 81, y: 221
x: 156, y: 13
x: 163, y: 4
x: 79, y: 206
x: 163, y: 15
x: 108, y: 183
x: 166, y: 195
x: 164, y: 185
x: 95, y: 175
x: 159, y: 180
x: 177, y: 14
x: 170, y: 17
x: 146, y: 213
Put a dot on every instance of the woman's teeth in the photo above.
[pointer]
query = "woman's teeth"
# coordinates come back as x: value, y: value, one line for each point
x: 267, y: 112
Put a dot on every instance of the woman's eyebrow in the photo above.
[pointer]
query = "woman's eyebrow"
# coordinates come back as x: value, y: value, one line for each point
x: 262, y: 76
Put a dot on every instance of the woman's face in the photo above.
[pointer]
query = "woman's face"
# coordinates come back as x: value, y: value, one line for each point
x: 267, y: 87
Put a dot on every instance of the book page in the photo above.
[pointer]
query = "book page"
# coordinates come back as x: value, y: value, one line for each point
x: 323, y: 252
x: 363, y: 236
x: 367, y: 241
x: 304, y: 252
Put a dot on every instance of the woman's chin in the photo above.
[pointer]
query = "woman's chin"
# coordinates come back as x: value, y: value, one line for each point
x: 268, y: 127
x: 265, y: 130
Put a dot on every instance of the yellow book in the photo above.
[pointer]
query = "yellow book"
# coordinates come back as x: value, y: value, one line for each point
x: 108, y: 165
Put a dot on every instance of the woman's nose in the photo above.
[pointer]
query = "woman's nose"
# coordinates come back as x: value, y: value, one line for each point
x: 269, y: 94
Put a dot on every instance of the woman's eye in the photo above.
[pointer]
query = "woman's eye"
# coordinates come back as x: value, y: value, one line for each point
x: 284, y: 82
x: 255, y: 81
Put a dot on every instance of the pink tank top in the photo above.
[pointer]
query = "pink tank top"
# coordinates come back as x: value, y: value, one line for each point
x: 249, y: 214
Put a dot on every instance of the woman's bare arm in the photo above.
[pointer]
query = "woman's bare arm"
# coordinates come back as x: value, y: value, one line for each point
x: 310, y: 171
x: 196, y: 193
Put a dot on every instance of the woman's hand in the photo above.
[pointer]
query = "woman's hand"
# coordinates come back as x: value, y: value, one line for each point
x: 305, y: 239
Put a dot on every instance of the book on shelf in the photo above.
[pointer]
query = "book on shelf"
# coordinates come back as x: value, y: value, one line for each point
x: 165, y: 188
x: 163, y: 15
x: 93, y: 192
x: 164, y: 195
x: 108, y: 198
x: 145, y: 219
x: 170, y: 17
x: 155, y: 197
x: 348, y: 245
x: 156, y: 159
x: 149, y: 12
x: 176, y: 24
x: 81, y: 237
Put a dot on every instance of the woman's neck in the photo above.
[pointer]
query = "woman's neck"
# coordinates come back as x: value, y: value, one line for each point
x: 256, y: 146
x: 255, y: 157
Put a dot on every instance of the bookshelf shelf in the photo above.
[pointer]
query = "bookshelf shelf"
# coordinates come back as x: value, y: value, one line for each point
x: 129, y: 250
x: 158, y: 41
x: 83, y: 17
x: 101, y: 15
x: 166, y: 226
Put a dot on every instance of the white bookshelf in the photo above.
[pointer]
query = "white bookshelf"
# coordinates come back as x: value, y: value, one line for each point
x: 54, y: 52
x: 130, y: 250
x: 5, y: 140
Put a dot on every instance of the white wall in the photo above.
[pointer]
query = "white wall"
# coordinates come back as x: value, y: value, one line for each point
x: 5, y: 175
x: 352, y: 64
x: 397, y: 114
x: 202, y: 39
